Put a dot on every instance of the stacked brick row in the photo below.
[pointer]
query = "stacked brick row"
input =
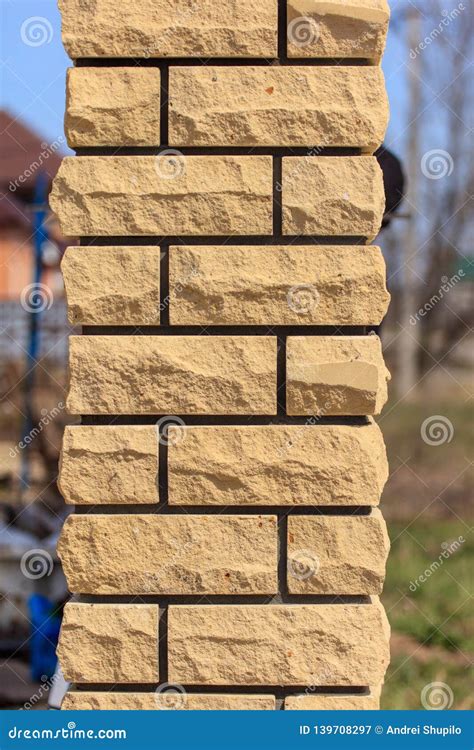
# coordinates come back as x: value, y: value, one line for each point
x: 227, y: 470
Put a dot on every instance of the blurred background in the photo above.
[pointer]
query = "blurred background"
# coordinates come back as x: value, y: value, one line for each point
x: 428, y: 425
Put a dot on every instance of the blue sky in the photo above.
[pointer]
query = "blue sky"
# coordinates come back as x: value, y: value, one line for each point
x: 33, y: 77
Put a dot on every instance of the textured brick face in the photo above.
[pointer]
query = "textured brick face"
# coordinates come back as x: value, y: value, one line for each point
x: 184, y: 554
x: 223, y: 199
x: 129, y: 289
x: 109, y: 643
x: 164, y: 195
x: 334, y: 644
x: 332, y: 196
x: 277, y: 106
x: 172, y: 375
x: 278, y: 285
x: 337, y: 28
x: 277, y: 465
x: 339, y: 375
x: 113, y: 107
x: 169, y: 28
x: 109, y: 465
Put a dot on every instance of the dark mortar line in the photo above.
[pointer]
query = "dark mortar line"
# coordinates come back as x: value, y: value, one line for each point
x: 279, y: 331
x: 282, y: 30
x: 164, y: 290
x: 206, y: 599
x: 229, y: 240
x: 275, y: 151
x: 164, y: 508
x: 165, y: 63
x: 281, y: 375
x: 206, y: 420
x: 277, y: 202
x: 163, y: 645
x: 277, y: 690
x: 164, y: 107
x: 283, y: 557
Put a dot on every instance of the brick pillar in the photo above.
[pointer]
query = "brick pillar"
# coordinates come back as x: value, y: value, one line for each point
x: 226, y: 549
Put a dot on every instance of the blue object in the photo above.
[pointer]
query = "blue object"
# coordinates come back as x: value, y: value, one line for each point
x: 45, y: 624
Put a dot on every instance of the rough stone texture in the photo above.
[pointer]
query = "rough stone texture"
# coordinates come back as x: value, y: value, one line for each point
x: 335, y: 375
x: 277, y: 285
x: 160, y: 554
x: 324, y: 702
x: 109, y: 643
x: 277, y: 465
x: 278, y: 106
x: 113, y: 107
x: 169, y: 194
x: 169, y: 28
x: 177, y: 701
x: 337, y: 28
x: 339, y: 644
x: 108, y: 465
x: 332, y: 195
x: 337, y: 554
x: 172, y: 375
x: 129, y: 288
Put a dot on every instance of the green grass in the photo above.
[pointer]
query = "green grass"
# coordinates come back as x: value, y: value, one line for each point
x: 432, y: 623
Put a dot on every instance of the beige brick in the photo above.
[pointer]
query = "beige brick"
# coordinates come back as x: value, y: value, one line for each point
x: 277, y: 465
x: 168, y: 194
x: 332, y: 195
x: 169, y: 28
x: 337, y: 554
x: 328, y: 702
x: 278, y: 106
x: 109, y: 643
x: 177, y: 701
x: 335, y: 375
x: 337, y: 28
x: 160, y: 554
x: 129, y: 288
x: 277, y: 285
x: 107, y: 465
x: 335, y: 644
x: 113, y: 107
x: 172, y: 375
